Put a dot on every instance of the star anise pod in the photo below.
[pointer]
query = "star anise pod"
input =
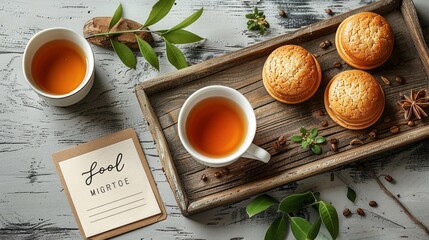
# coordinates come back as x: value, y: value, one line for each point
x: 414, y: 104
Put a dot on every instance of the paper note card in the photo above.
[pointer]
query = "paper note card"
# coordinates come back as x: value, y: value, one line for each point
x: 109, y: 185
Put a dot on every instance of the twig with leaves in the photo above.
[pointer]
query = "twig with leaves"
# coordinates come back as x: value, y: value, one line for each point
x: 288, y: 207
x: 174, y: 35
x: 309, y: 139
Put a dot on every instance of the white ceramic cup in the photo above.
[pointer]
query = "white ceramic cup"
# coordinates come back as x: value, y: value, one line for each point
x: 48, y: 35
x: 247, y: 148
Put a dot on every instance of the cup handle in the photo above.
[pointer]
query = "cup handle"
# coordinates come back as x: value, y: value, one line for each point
x: 258, y: 153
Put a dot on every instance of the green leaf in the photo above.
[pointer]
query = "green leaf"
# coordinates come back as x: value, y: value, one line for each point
x: 351, y: 194
x: 116, y: 17
x: 296, y: 139
x: 316, y: 149
x: 250, y: 16
x: 175, y: 56
x: 314, y: 133
x: 330, y: 218
x: 255, y: 10
x: 188, y: 21
x: 158, y: 12
x: 295, y: 202
x: 148, y: 52
x: 320, y: 139
x: 277, y: 229
x: 304, y: 144
x: 125, y: 54
x: 181, y: 36
x: 299, y: 227
x: 260, y: 204
x: 303, y: 131
x: 314, y: 230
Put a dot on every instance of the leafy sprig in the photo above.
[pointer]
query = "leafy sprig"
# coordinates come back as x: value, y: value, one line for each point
x: 257, y: 21
x: 309, y: 139
x: 300, y: 227
x: 174, y: 35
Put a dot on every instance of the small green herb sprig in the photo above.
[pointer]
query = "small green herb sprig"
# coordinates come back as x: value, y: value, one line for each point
x: 309, y: 139
x: 257, y: 21
x: 300, y: 227
x: 174, y: 35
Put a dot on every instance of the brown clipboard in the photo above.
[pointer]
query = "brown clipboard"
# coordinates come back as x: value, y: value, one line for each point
x: 100, y: 143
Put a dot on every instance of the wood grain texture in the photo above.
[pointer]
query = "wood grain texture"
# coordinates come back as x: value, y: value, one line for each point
x: 32, y: 203
x: 242, y: 71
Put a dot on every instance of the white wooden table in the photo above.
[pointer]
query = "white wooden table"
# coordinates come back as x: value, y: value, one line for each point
x: 32, y: 202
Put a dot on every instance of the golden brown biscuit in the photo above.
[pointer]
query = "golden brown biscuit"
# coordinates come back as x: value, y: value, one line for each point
x: 364, y: 40
x: 291, y: 74
x: 354, y: 99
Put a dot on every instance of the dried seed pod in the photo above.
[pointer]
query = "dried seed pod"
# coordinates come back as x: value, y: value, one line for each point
x: 346, y: 212
x: 324, y: 123
x: 204, y: 178
x: 356, y: 141
x: 281, y: 140
x: 373, y: 203
x: 388, y: 178
x: 282, y: 14
x: 411, y: 123
x: 399, y: 80
x: 333, y: 140
x: 329, y: 11
x: 360, y: 212
x: 218, y: 174
x: 373, y: 134
x: 394, y: 129
x: 334, y: 147
x: 337, y: 64
x: 385, y: 80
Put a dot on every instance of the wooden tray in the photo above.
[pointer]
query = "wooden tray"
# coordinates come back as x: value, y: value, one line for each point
x: 161, y: 99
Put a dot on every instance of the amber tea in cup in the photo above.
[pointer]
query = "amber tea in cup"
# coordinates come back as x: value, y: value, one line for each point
x: 216, y: 127
x: 58, y: 66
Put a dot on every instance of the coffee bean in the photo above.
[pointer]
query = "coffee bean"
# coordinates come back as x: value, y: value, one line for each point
x: 276, y: 145
x: 329, y: 11
x: 281, y: 140
x: 282, y: 14
x: 322, y: 45
x: 337, y: 64
x: 385, y: 80
x: 388, y: 178
x: 320, y: 113
x: 373, y: 203
x: 411, y: 123
x: 356, y: 141
x: 334, y: 147
x: 395, y: 129
x: 218, y: 174
x: 204, y: 177
x: 333, y: 140
x: 324, y: 123
x: 360, y: 212
x: 346, y: 212
x: 399, y: 80
x: 373, y: 134
x: 328, y: 43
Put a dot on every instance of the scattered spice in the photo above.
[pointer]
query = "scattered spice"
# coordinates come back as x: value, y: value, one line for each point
x: 204, y: 178
x: 329, y: 11
x: 411, y: 123
x: 328, y: 43
x: 385, y: 80
x: 360, y: 212
x: 218, y: 174
x: 320, y: 113
x: 356, y: 141
x: 334, y: 147
x: 414, y: 104
x: 282, y: 14
x: 388, y: 178
x: 373, y: 134
x: 337, y: 64
x: 324, y: 123
x: 346, y: 212
x: 276, y: 145
x: 281, y: 140
x: 333, y: 140
x: 399, y: 80
x: 394, y: 129
x: 373, y: 203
